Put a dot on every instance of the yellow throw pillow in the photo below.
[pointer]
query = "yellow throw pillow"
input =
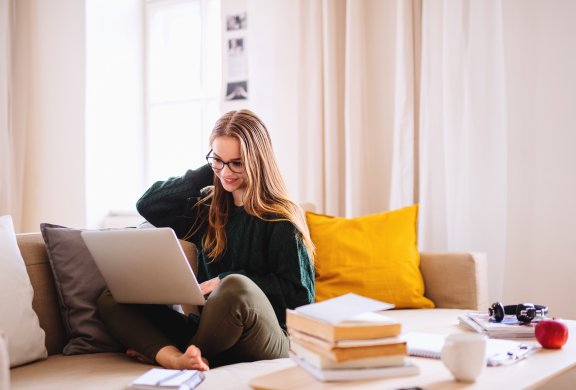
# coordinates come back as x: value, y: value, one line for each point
x: 375, y: 256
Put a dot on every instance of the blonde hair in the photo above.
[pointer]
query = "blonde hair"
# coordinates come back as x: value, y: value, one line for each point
x: 265, y: 196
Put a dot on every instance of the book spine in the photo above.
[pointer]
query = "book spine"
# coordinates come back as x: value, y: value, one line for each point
x: 308, y: 325
x: 367, y: 332
x: 321, y: 343
x: 333, y: 333
x: 359, y: 374
x: 345, y: 354
x: 322, y: 362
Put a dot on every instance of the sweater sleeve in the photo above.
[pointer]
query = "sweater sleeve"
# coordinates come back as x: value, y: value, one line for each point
x: 165, y: 202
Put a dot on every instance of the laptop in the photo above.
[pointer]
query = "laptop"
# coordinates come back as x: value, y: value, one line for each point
x: 144, y: 266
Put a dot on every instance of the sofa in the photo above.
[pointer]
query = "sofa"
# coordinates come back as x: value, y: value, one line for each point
x: 452, y: 281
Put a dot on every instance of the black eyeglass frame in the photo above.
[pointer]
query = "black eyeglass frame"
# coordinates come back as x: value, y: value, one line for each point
x: 208, y: 157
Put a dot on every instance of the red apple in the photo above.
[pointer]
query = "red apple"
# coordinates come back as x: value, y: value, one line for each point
x: 551, y: 333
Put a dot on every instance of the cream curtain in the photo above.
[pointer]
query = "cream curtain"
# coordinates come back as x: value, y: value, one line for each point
x: 323, y: 79
x: 7, y: 179
x: 463, y: 132
x: 404, y: 184
x: 13, y: 98
x: 375, y: 105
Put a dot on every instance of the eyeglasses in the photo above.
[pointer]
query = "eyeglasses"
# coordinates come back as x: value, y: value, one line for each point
x: 218, y: 165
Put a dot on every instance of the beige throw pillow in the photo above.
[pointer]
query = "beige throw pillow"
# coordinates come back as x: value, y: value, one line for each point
x: 18, y: 320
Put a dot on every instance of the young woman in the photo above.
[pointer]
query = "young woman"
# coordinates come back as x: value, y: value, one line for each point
x: 254, y: 257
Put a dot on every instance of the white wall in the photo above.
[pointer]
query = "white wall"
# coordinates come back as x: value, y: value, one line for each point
x: 54, y: 176
x: 541, y: 73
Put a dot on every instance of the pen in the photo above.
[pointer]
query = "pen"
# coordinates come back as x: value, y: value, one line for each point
x: 512, y: 356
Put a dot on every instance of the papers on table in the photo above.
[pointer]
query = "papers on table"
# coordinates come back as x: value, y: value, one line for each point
x: 499, y: 352
x: 509, y: 328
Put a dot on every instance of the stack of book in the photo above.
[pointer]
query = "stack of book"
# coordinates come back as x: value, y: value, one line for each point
x: 509, y: 328
x: 365, y: 346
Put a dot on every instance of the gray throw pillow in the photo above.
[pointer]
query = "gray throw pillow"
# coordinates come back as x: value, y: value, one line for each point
x: 78, y: 284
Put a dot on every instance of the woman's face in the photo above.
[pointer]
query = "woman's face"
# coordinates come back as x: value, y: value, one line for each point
x: 227, y: 149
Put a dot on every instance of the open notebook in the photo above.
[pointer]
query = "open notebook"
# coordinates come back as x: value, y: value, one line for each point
x: 500, y: 352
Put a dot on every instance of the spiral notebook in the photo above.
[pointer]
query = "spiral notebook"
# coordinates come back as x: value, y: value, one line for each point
x: 161, y: 378
x: 500, y: 352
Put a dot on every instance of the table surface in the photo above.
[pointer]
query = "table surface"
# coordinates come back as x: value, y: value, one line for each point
x: 529, y: 373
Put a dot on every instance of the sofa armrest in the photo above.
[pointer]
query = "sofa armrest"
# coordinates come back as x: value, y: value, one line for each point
x: 455, y: 280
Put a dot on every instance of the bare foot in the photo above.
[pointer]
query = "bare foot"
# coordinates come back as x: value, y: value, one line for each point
x: 191, y: 359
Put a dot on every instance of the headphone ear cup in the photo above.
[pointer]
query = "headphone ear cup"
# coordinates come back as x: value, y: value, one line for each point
x: 541, y: 311
x: 497, y: 311
x: 525, y: 312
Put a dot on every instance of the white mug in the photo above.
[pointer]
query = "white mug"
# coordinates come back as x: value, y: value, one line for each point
x: 464, y: 354
x: 4, y: 364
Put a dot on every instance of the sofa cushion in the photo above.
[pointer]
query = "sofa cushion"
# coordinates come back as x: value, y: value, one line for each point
x: 18, y: 320
x: 78, y: 284
x: 375, y: 256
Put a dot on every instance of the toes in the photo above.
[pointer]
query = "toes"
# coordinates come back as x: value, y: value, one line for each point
x: 193, y: 352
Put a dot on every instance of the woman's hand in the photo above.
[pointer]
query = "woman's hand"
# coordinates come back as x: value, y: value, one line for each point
x: 208, y: 286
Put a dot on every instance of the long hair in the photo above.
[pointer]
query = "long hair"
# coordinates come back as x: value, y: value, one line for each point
x: 265, y: 196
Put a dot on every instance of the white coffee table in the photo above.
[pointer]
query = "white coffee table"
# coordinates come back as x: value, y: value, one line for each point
x: 534, y: 372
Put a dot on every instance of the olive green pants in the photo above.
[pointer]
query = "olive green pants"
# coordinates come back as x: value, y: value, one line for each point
x: 237, y: 324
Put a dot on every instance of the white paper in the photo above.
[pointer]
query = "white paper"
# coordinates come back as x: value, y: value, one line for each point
x: 499, y: 352
x: 342, y: 308
x: 372, y: 317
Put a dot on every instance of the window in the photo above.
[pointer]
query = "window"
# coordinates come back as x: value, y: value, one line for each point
x: 153, y: 70
x: 182, y: 83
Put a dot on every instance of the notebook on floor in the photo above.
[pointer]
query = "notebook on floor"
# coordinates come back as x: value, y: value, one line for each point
x: 144, y: 266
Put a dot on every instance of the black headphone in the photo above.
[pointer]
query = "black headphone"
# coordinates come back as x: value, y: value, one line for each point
x: 525, y: 312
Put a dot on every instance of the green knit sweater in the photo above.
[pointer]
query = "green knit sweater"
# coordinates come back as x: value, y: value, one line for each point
x: 272, y: 254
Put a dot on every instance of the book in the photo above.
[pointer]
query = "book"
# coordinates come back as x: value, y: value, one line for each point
x: 353, y: 374
x: 162, y: 378
x: 367, y: 325
x: 510, y: 328
x: 499, y: 352
x: 326, y: 344
x: 339, y: 354
x: 322, y: 362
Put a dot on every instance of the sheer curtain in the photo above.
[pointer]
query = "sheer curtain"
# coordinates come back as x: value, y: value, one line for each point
x: 463, y: 132
x: 7, y: 158
x: 404, y: 185
x: 375, y: 105
x: 14, y: 25
x: 324, y: 83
